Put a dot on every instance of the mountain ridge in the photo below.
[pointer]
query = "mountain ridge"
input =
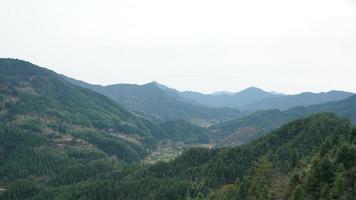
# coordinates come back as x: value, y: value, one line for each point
x: 303, y: 99
x: 160, y: 103
x: 249, y: 100
x: 232, y: 100
x: 60, y: 109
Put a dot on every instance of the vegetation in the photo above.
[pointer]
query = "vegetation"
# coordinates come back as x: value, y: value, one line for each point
x: 59, y: 141
x: 261, y: 122
x: 159, y: 103
x: 41, y: 110
x: 312, y: 158
x: 186, y: 132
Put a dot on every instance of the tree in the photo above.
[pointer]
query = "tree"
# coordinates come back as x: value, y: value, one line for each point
x: 338, y: 190
x: 298, y: 193
x: 260, y: 188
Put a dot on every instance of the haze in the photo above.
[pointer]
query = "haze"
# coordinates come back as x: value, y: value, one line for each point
x: 201, y: 45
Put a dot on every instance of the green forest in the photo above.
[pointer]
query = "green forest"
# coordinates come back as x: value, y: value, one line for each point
x: 61, y: 141
x: 312, y: 158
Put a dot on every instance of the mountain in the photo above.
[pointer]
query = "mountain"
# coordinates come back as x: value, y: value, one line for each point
x: 41, y: 110
x: 190, y: 103
x: 254, y: 99
x: 311, y: 158
x: 231, y: 100
x: 284, y: 102
x: 61, y: 141
x: 261, y: 122
x: 343, y: 108
x: 160, y: 103
x: 243, y: 130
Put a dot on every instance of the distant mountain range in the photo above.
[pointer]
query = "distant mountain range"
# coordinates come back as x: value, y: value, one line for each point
x: 236, y: 100
x: 253, y: 99
x: 160, y: 103
x: 268, y: 110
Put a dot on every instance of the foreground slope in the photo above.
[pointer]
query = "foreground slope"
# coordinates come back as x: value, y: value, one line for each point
x: 159, y: 103
x: 264, y: 169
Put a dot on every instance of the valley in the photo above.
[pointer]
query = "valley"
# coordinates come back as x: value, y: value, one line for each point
x: 66, y: 139
x: 167, y: 150
x: 177, y: 100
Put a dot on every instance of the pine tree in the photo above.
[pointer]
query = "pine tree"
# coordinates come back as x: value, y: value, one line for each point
x: 338, y: 190
x: 261, y: 180
x: 298, y: 193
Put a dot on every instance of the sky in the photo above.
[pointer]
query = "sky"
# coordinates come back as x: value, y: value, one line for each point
x: 287, y: 46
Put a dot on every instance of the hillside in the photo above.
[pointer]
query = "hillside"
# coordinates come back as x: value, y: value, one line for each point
x: 273, y: 167
x: 61, y: 141
x: 261, y: 122
x: 344, y: 108
x: 39, y: 109
x: 312, y: 158
x: 186, y: 132
x: 159, y: 103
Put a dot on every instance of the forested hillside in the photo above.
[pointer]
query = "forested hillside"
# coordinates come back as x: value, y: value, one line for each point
x: 285, y: 151
x: 48, y: 126
x: 186, y: 132
x: 61, y: 141
x: 245, y: 129
x: 344, y: 108
x: 312, y: 158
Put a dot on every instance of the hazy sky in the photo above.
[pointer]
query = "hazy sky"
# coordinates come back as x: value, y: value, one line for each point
x: 203, y: 45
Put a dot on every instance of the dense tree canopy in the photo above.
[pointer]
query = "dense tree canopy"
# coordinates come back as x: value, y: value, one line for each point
x: 312, y: 158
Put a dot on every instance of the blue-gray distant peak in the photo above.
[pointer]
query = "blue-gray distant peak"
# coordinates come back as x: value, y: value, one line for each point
x: 233, y: 100
x: 161, y: 86
x: 253, y: 91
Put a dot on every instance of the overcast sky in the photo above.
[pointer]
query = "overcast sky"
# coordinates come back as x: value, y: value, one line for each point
x: 202, y: 45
